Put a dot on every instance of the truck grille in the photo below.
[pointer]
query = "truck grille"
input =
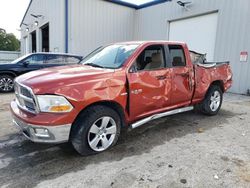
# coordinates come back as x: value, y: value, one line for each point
x: 25, y: 98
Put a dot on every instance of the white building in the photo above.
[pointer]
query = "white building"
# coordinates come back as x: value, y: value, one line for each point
x: 219, y: 28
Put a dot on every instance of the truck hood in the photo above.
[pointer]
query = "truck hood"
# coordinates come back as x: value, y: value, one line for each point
x: 50, y: 79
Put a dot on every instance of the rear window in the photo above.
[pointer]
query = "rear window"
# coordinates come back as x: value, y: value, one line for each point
x: 197, y: 58
x: 61, y: 59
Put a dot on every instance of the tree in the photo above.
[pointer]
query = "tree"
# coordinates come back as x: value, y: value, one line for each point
x: 8, y: 41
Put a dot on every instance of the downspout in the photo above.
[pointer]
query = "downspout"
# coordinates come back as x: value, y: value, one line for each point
x: 66, y: 26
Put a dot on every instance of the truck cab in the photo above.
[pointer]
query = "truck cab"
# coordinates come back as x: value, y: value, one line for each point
x: 161, y: 78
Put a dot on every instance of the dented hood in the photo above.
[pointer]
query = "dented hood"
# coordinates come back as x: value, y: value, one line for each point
x: 47, y: 80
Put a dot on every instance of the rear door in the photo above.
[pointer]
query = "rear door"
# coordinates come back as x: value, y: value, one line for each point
x: 147, y: 82
x: 181, y: 74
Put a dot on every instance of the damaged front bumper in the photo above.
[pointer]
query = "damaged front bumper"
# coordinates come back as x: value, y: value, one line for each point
x: 40, y: 133
x: 43, y: 134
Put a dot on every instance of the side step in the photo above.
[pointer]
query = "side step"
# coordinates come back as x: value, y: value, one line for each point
x: 160, y: 115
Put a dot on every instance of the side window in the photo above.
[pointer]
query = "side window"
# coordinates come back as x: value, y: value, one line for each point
x: 71, y: 60
x: 152, y: 58
x: 36, y: 59
x: 55, y: 59
x: 177, y: 56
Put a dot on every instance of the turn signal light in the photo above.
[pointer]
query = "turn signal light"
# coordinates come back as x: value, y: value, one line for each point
x: 63, y: 108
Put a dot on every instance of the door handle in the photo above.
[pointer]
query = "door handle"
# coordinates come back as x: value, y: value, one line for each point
x: 185, y: 74
x: 162, y: 77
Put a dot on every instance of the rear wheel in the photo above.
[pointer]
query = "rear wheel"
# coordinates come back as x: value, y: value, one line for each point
x: 95, y: 130
x: 6, y: 83
x: 213, y: 101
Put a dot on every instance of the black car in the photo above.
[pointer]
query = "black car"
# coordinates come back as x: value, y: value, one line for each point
x: 32, y: 62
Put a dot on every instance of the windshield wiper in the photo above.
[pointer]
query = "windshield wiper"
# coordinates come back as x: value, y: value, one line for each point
x: 94, y: 65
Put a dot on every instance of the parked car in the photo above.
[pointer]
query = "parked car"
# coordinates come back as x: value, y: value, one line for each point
x: 120, y: 85
x: 31, y: 62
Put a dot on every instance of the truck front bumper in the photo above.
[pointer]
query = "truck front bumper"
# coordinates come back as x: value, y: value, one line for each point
x: 39, y: 133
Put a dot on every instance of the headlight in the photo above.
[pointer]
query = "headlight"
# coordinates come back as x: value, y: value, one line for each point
x: 53, y: 103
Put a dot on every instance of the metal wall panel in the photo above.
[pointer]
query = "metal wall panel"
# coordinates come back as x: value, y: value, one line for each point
x: 94, y: 23
x: 232, y: 31
x: 91, y: 23
x: 8, y: 56
x: 53, y: 13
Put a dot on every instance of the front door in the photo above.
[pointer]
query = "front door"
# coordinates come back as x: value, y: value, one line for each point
x: 31, y: 63
x: 148, y: 79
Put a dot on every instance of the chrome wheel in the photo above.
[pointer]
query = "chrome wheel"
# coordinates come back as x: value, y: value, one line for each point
x: 215, y: 101
x: 102, y: 133
x: 6, y: 84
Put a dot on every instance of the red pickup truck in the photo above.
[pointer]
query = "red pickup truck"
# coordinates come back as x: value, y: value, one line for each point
x: 119, y: 85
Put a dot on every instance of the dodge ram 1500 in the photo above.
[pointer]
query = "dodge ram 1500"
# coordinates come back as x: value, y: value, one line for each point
x: 120, y: 85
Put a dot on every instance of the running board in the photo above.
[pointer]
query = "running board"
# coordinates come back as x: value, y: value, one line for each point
x: 160, y: 115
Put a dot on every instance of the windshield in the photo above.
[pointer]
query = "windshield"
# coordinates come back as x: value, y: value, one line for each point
x: 20, y: 59
x: 113, y: 56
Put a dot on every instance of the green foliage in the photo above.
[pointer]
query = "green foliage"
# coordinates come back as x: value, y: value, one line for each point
x: 8, y: 41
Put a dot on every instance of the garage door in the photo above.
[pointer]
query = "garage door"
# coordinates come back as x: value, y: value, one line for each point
x: 198, y: 32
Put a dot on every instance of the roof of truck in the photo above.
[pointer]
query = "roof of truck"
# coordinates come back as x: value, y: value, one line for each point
x: 151, y: 41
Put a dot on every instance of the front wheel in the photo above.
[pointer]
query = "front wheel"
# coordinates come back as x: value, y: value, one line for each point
x: 6, y: 83
x: 95, y: 130
x: 213, y: 101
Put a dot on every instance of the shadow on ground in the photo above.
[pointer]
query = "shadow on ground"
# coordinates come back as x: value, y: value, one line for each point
x: 29, y: 163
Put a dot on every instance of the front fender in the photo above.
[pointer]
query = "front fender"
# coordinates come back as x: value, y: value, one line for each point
x: 84, y: 94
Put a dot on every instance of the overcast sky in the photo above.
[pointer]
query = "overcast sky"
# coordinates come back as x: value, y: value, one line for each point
x: 11, y: 14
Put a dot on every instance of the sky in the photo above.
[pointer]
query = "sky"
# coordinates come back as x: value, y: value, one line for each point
x: 11, y: 15
x: 137, y: 2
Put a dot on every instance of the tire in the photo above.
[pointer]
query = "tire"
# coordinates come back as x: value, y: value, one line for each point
x: 95, y: 130
x: 6, y: 83
x: 212, y: 102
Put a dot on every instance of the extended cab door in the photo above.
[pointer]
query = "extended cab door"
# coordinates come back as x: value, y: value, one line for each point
x: 149, y: 90
x: 182, y: 76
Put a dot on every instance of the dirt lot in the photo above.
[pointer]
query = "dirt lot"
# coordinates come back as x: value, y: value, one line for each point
x: 185, y: 150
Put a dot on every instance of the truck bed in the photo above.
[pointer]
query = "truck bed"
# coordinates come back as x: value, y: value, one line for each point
x: 209, y: 72
x: 212, y: 64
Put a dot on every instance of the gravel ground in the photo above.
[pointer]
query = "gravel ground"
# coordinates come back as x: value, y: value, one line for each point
x: 185, y: 150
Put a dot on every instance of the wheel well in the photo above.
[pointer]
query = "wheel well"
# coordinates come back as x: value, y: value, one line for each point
x: 111, y: 104
x: 218, y: 83
x: 8, y: 73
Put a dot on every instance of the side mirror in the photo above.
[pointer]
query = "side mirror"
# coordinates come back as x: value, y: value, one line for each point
x: 26, y: 63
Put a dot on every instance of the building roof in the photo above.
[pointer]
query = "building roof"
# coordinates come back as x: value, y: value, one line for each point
x: 138, y: 4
